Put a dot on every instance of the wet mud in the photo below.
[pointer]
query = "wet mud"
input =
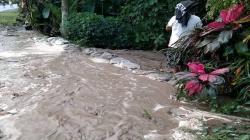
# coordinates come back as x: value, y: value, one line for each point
x: 52, y: 92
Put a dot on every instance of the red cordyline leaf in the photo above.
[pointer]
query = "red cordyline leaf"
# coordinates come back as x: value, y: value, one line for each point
x: 220, y: 71
x: 208, y: 78
x: 196, y: 67
x: 212, y: 77
x: 228, y: 16
x: 193, y: 87
x: 232, y: 13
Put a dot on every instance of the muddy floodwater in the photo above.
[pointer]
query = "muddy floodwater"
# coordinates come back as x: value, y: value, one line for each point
x: 51, y: 92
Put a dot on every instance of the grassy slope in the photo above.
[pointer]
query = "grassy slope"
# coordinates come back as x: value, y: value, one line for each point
x: 8, y: 17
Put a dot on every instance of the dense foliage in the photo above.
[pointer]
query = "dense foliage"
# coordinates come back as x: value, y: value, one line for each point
x: 90, y: 29
x: 146, y: 19
x: 149, y: 19
x: 44, y: 15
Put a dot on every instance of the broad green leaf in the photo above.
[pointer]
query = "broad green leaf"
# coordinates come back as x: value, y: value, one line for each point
x: 46, y: 12
x: 211, y: 92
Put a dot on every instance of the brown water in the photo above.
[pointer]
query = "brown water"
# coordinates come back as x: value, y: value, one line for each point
x: 48, y: 93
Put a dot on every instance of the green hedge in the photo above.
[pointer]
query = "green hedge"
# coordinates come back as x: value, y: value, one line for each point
x: 92, y: 30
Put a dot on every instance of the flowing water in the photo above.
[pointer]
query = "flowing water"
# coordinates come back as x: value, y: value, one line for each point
x: 48, y: 92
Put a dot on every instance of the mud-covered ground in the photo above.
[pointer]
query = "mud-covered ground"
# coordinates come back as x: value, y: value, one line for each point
x: 148, y: 60
x: 49, y: 92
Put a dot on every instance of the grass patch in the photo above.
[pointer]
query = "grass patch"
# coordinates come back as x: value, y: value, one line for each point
x: 8, y: 17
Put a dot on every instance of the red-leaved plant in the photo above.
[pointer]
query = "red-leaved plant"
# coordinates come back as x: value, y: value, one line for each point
x: 230, y: 16
x: 197, y: 78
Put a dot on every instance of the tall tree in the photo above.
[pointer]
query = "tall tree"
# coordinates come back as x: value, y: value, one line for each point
x: 65, y: 13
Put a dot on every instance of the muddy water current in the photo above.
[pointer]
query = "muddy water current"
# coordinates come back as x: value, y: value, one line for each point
x: 51, y: 92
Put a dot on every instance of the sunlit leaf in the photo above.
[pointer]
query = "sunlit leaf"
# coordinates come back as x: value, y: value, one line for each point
x: 225, y: 36
x: 243, y: 20
x: 247, y: 39
x: 211, y: 47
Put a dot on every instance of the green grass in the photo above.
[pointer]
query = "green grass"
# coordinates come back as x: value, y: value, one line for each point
x: 8, y: 17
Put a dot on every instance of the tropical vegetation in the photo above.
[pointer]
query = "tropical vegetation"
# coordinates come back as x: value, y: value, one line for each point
x: 219, y: 66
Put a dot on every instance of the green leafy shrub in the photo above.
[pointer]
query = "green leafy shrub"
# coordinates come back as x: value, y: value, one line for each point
x: 148, y: 20
x: 89, y: 29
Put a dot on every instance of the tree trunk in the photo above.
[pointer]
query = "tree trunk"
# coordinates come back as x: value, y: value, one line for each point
x: 65, y: 13
x: 24, y: 6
